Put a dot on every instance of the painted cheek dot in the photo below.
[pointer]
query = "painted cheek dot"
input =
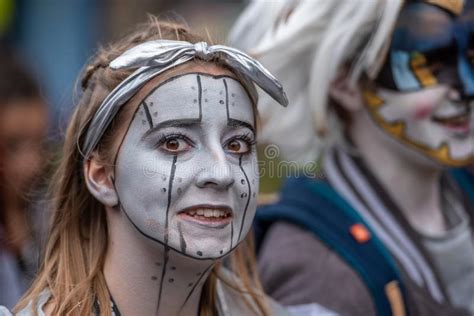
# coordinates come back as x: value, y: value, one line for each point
x: 423, y: 111
x: 154, y: 278
x: 171, y: 280
x: 243, y: 195
x: 221, y: 101
x: 155, y: 114
x: 242, y: 181
x: 195, y: 100
x: 173, y: 268
x: 221, y: 252
x: 199, y: 253
x: 163, y: 190
x: 190, y: 284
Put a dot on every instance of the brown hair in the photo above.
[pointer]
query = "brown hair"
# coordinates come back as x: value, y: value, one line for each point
x: 74, y: 256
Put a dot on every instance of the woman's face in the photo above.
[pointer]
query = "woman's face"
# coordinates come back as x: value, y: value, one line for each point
x: 186, y: 171
x: 424, y: 93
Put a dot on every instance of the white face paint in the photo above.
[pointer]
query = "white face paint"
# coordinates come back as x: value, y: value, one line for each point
x: 186, y: 173
x: 428, y: 121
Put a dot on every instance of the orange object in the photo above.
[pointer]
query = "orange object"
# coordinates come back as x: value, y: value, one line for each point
x: 360, y: 233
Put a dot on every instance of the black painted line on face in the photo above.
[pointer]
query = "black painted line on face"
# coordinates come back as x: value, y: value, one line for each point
x: 231, y: 233
x: 163, y: 273
x: 226, y: 100
x: 229, y: 122
x: 198, y: 78
x: 167, y: 249
x: 170, y: 189
x: 147, y: 113
x: 234, y: 122
x: 195, y: 285
x: 182, y: 241
x: 249, y: 194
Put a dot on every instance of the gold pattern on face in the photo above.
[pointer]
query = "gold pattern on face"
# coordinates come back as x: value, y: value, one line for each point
x: 453, y: 6
x: 421, y: 70
x: 397, y: 129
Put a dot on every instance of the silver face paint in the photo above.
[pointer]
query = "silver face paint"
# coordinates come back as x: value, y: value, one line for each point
x: 186, y: 173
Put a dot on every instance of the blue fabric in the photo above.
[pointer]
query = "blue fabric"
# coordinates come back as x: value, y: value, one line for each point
x: 465, y: 179
x: 317, y: 207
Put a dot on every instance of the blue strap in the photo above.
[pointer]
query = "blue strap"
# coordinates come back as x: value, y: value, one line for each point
x: 465, y: 179
x: 318, y: 208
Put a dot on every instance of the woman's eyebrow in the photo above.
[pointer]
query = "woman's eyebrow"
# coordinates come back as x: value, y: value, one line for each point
x: 239, y: 123
x: 172, y: 123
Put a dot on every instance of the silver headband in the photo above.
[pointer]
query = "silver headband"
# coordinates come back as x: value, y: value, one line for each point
x: 155, y: 57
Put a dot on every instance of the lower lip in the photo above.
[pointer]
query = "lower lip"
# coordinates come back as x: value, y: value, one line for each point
x: 206, y: 222
x: 463, y: 128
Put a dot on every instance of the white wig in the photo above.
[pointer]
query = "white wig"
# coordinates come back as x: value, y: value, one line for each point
x: 305, y: 43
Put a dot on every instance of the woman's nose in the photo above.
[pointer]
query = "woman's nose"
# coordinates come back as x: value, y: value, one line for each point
x: 216, y: 172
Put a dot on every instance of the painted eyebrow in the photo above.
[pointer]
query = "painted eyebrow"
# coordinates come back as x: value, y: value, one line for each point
x: 172, y: 123
x: 238, y: 123
x: 193, y: 122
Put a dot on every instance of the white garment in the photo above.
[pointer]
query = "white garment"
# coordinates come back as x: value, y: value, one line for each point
x: 310, y: 310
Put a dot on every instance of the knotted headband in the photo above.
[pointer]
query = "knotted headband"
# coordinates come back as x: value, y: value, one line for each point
x: 155, y: 57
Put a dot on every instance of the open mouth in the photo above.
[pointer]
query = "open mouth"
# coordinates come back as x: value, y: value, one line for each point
x: 458, y: 123
x: 214, y: 216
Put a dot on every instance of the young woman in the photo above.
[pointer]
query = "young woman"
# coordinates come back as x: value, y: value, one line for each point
x: 157, y: 184
x: 388, y: 87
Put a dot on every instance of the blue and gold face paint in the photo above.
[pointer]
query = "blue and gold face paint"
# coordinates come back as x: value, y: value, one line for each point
x: 424, y: 95
x: 433, y: 43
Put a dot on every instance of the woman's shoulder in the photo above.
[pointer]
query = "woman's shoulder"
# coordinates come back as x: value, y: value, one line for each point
x: 4, y: 311
x: 29, y: 309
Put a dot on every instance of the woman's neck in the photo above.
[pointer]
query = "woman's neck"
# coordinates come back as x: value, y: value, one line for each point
x: 145, y: 278
x: 412, y: 182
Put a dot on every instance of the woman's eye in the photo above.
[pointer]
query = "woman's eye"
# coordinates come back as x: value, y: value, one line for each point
x: 238, y: 146
x: 175, y: 145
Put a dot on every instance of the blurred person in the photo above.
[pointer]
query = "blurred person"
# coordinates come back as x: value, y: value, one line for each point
x: 23, y: 127
x: 157, y: 184
x: 386, y: 89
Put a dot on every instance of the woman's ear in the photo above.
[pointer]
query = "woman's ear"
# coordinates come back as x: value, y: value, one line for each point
x: 99, y: 181
x: 348, y: 96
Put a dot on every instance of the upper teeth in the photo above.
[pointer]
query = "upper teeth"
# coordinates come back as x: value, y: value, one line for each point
x: 208, y: 213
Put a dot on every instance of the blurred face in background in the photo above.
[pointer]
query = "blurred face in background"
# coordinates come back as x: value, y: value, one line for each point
x: 424, y: 94
x: 23, y: 127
